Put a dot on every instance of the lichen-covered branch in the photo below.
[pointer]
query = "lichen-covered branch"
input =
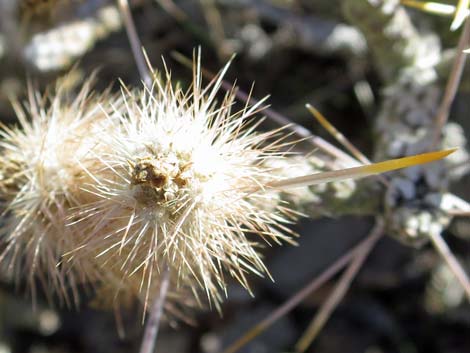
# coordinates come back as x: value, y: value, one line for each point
x: 405, y: 122
x: 392, y: 39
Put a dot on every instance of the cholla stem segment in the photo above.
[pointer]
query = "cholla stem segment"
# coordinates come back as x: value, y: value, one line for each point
x: 169, y: 186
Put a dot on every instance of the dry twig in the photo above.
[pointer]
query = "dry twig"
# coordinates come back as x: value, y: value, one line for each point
x: 296, y: 299
x: 452, y: 83
x: 339, y: 291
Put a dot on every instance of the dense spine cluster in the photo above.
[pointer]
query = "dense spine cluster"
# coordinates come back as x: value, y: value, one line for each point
x: 112, y: 189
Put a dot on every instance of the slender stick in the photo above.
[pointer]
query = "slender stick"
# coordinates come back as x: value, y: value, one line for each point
x: 156, y: 311
x: 452, y: 83
x: 337, y: 134
x: 451, y: 261
x: 362, y: 247
x: 338, y: 293
x: 441, y: 118
x: 136, y: 46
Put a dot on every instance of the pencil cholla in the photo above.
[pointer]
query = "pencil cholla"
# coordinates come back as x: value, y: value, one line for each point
x: 102, y: 189
x: 179, y: 184
x: 118, y: 190
x: 40, y: 180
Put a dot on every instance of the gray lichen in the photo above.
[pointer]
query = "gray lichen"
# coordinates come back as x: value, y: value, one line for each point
x: 405, y: 122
